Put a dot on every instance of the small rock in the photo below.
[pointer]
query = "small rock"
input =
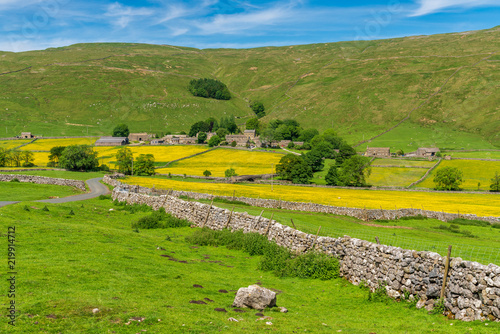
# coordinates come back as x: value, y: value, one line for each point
x: 269, y: 323
x: 283, y: 309
x: 96, y: 310
x: 232, y: 319
x: 255, y: 297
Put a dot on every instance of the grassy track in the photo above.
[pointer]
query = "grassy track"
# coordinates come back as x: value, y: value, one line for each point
x: 479, y: 204
x: 95, y: 260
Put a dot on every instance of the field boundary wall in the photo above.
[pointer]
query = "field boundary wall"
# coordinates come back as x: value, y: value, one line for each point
x: 43, y: 180
x: 362, y: 214
x: 472, y: 292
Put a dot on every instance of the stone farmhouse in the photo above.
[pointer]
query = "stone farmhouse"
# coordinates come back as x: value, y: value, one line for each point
x: 241, y: 140
x: 378, y: 152
x: 427, y: 152
x: 143, y: 136
x: 27, y: 135
x: 111, y: 141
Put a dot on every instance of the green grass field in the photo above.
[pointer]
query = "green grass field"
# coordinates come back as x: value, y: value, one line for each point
x: 474, y: 172
x: 14, y: 191
x: 476, y: 155
x: 403, y: 163
x: 96, y: 260
x: 60, y: 174
x: 394, y: 176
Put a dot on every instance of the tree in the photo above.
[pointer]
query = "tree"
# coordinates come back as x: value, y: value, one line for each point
x: 55, y: 154
x: 124, y: 159
x: 495, y: 183
x: 354, y: 171
x: 234, y: 143
x: 448, y: 178
x: 144, y: 165
x: 214, y: 141
x: 400, y: 153
x: 202, y: 137
x: 345, y: 152
x: 253, y: 124
x: 294, y: 168
x: 28, y: 157
x: 121, y: 130
x: 222, y: 132
x: 79, y: 157
x: 308, y: 134
x: 314, y: 159
x: 332, y: 177
x: 197, y: 127
x: 258, y: 108
x: 15, y: 158
x: 209, y: 88
x: 230, y: 172
x: 207, y: 173
x: 4, y: 157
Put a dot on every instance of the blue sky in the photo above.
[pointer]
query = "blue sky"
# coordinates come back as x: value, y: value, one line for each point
x: 35, y: 24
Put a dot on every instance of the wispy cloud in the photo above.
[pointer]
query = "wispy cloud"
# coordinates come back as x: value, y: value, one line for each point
x: 125, y: 14
x: 434, y: 6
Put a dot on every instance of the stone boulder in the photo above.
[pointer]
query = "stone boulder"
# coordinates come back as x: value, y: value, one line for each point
x: 255, y: 297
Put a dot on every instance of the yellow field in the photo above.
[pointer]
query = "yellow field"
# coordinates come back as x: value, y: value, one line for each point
x: 474, y: 171
x: 479, y: 204
x: 47, y: 144
x: 218, y: 161
x: 395, y: 176
x: 9, y: 144
x: 161, y: 153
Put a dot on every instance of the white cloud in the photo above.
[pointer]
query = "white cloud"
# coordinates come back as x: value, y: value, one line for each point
x: 126, y: 14
x: 434, y: 6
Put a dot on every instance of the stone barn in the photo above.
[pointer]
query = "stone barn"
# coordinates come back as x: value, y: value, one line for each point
x: 111, y: 141
x: 139, y: 136
x: 426, y: 152
x: 378, y: 152
x: 27, y: 135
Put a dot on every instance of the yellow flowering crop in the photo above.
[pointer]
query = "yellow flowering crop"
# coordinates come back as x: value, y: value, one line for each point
x: 403, y: 162
x: 395, y: 176
x: 474, y: 171
x: 9, y: 144
x: 164, y: 154
x: 218, y: 161
x: 47, y: 144
x: 479, y: 204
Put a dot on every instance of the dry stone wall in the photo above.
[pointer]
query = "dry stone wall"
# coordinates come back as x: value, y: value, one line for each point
x: 472, y: 293
x: 363, y: 214
x: 43, y: 180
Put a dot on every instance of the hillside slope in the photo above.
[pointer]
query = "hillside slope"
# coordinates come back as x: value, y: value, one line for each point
x: 443, y: 85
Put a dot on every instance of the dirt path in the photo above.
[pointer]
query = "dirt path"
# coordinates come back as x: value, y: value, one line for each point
x: 96, y: 189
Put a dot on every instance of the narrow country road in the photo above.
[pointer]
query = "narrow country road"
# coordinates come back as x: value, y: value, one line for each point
x: 96, y: 189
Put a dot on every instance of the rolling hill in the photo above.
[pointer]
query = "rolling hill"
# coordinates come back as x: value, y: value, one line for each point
x: 435, y: 90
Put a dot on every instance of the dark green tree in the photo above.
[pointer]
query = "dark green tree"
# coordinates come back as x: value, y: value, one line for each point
x: 315, y: 160
x: 495, y: 183
x: 28, y: 158
x: 332, y: 177
x: 207, y: 173
x: 448, y: 178
x: 258, y: 108
x: 124, y: 158
x: 229, y: 123
x: 209, y: 88
x: 212, y: 123
x: 294, y: 168
x: 121, y: 130
x: 222, y: 132
x: 202, y: 137
x: 79, y: 158
x: 4, y: 157
x: 55, y: 155
x: 253, y: 124
x: 214, y: 141
x: 308, y: 134
x: 345, y: 152
x: 144, y: 164
x: 200, y: 126
x: 354, y: 171
x: 230, y: 172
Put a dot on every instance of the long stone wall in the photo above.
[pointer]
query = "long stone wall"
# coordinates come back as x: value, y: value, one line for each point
x: 472, y: 292
x: 43, y: 180
x: 363, y: 214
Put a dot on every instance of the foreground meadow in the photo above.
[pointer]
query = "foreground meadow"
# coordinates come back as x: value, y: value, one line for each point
x: 96, y: 260
x: 479, y: 204
x: 21, y: 191
x: 218, y: 161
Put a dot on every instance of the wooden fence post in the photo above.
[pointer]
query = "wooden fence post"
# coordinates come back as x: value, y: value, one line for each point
x: 208, y: 214
x: 316, y: 238
x: 293, y: 223
x: 377, y: 240
x: 269, y: 225
x: 446, y: 268
x: 229, y: 219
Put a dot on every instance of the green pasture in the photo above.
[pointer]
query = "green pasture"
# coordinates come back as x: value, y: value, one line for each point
x: 475, y: 154
x: 23, y: 191
x: 403, y: 162
x: 394, y: 176
x: 69, y: 265
x: 62, y: 174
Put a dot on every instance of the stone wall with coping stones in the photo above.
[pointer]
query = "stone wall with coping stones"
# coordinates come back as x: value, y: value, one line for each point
x: 363, y: 214
x: 43, y: 180
x: 473, y: 291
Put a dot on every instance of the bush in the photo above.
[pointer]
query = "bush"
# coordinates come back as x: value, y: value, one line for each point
x: 233, y: 144
x: 132, y: 208
x: 15, y: 180
x: 104, y: 168
x: 228, y: 201
x: 103, y: 197
x: 417, y: 217
x: 160, y: 219
x: 209, y: 88
x: 462, y: 221
x: 275, y: 258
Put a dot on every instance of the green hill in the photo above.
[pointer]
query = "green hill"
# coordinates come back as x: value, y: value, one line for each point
x: 443, y: 88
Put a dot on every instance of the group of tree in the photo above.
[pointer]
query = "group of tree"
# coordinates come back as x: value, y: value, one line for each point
x: 346, y: 169
x: 226, y: 125
x: 16, y: 158
x: 121, y: 130
x: 450, y: 178
x: 209, y: 88
x: 258, y: 108
x: 144, y: 164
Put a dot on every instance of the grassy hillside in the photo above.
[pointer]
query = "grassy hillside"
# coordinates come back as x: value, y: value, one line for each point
x: 442, y: 87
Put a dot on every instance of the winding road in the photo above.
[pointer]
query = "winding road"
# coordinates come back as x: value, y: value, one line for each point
x: 96, y: 189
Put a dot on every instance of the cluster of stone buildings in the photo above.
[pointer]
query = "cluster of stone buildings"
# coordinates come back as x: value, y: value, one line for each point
x: 384, y: 152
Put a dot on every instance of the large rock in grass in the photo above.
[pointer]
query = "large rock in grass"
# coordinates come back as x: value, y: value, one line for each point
x: 255, y: 297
